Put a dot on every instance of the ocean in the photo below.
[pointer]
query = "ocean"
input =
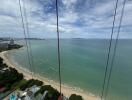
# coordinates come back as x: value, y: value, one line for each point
x: 83, y: 64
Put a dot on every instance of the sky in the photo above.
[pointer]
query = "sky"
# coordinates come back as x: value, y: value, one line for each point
x: 77, y: 18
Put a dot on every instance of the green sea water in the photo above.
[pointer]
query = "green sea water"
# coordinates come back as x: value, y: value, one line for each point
x: 82, y: 64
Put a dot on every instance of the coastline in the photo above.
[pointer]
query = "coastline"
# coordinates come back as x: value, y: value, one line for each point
x: 67, y: 91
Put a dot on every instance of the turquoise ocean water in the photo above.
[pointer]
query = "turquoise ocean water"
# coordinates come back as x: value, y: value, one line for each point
x: 82, y: 64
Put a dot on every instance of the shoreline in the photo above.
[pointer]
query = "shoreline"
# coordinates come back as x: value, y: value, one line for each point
x: 67, y: 90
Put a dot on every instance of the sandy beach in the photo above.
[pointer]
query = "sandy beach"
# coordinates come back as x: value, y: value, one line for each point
x: 67, y: 90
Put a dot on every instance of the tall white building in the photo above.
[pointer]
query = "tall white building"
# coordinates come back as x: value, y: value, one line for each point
x: 12, y: 42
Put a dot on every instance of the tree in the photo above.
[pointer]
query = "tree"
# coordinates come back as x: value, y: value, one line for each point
x: 1, y: 61
x: 75, y: 97
x: 52, y: 94
x: 30, y: 83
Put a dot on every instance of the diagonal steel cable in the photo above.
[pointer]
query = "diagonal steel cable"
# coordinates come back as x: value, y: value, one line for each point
x: 58, y: 43
x: 109, y: 50
x: 115, y: 48
x: 26, y: 41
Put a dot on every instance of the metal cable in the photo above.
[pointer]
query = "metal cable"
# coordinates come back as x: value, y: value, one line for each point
x: 109, y: 50
x: 115, y: 48
x: 24, y: 32
x: 58, y: 43
x: 28, y: 36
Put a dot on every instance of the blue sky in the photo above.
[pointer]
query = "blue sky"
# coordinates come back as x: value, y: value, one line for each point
x: 77, y: 18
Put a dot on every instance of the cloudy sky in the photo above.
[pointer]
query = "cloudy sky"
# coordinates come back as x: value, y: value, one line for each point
x: 77, y: 18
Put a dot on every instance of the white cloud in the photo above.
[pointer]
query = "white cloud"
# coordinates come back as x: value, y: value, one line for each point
x: 93, y: 22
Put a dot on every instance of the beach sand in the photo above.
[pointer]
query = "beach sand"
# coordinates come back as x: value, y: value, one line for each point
x: 66, y: 90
